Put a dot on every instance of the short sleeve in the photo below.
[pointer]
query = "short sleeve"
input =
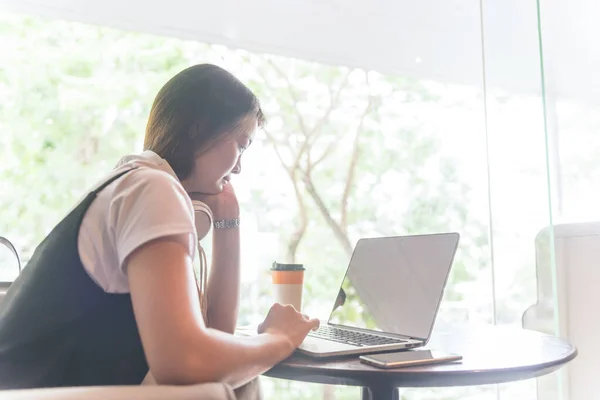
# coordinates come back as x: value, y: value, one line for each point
x: 146, y: 205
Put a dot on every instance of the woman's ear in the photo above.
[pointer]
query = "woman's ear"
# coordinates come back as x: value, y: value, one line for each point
x: 203, y: 218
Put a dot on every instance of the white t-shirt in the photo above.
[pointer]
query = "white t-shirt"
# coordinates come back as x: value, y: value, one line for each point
x: 142, y: 205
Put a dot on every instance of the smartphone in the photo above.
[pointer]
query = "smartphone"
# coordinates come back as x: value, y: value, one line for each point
x: 408, y: 358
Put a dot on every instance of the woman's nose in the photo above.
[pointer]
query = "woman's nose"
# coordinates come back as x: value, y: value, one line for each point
x: 238, y: 167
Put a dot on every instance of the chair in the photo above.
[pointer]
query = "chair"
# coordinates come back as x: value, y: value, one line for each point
x: 577, y: 274
x: 5, y: 285
x: 205, y: 391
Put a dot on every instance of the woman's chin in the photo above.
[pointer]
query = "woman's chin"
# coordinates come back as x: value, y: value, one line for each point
x: 219, y: 187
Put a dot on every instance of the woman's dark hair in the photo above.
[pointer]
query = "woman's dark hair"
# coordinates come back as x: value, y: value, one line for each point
x: 194, y: 109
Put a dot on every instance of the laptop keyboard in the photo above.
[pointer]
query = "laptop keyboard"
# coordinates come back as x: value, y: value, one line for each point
x: 351, y: 337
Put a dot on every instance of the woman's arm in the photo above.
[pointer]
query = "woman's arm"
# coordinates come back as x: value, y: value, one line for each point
x: 178, y: 346
x: 223, y: 288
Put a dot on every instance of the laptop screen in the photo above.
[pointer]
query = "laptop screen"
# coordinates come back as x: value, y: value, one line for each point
x: 395, y: 284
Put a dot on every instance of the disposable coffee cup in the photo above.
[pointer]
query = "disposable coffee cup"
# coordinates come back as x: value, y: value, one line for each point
x: 288, y: 280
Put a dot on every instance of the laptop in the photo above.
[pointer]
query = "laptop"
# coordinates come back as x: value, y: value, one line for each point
x: 389, y: 297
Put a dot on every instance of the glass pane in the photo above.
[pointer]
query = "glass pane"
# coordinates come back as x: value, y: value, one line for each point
x: 572, y: 102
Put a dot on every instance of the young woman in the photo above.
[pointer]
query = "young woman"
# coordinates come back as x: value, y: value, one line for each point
x: 111, y: 292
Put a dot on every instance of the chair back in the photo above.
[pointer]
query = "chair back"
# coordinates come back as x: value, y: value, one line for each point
x: 5, y: 285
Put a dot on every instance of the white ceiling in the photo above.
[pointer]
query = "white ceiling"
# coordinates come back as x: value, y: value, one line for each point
x: 432, y: 39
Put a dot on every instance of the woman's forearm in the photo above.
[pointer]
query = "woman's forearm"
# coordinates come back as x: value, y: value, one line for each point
x: 252, y: 357
x: 221, y: 357
x: 224, y: 281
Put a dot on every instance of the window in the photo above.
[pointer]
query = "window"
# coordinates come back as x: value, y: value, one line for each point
x: 346, y: 153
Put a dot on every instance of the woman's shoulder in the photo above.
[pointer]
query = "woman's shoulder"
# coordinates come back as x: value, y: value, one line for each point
x: 149, y: 183
x: 147, y: 168
x: 147, y: 175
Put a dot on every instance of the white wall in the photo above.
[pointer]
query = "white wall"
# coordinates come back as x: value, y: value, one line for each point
x: 437, y: 39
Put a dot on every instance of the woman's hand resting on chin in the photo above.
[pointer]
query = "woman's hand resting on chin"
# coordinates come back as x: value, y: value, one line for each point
x: 224, y: 205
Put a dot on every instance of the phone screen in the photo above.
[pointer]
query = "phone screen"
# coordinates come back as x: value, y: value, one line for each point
x: 403, y: 356
x: 412, y: 357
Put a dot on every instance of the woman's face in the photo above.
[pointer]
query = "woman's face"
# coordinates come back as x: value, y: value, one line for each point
x: 213, y: 167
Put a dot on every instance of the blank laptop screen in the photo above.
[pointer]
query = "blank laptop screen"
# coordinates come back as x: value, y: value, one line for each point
x: 395, y: 284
